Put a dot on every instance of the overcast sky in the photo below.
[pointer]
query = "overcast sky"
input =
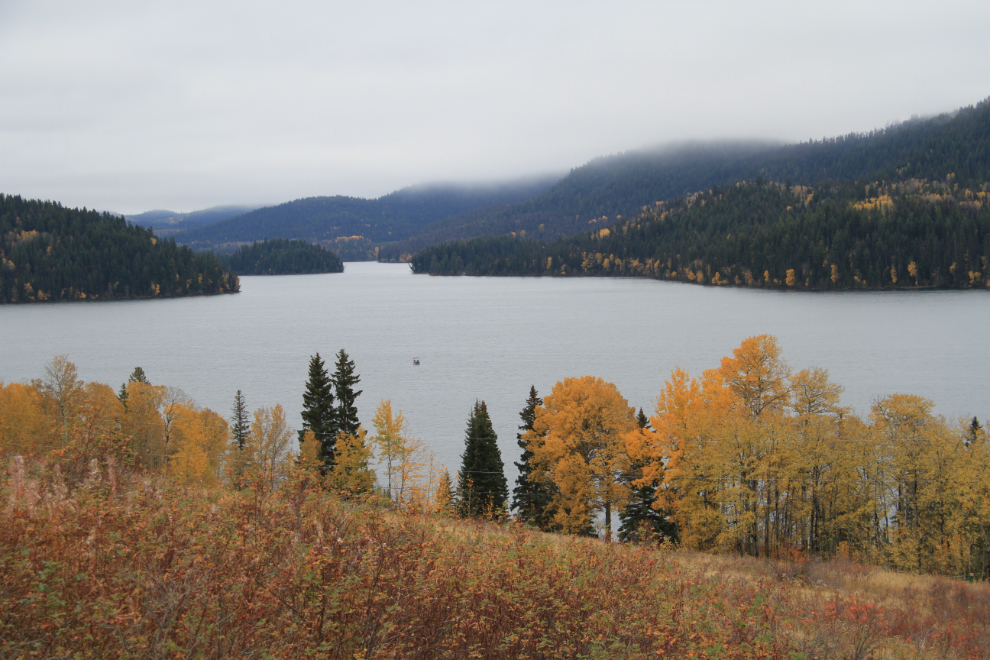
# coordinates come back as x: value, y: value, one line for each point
x: 130, y: 106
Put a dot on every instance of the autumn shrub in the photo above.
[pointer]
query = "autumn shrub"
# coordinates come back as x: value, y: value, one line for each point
x: 159, y: 569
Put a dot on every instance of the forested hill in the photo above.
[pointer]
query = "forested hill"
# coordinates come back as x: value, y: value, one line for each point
x: 914, y: 233
x: 279, y: 256
x: 48, y: 252
x: 169, y: 222
x: 955, y: 143
x: 353, y: 226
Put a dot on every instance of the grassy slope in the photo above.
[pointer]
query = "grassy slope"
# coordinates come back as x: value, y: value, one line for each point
x: 110, y: 566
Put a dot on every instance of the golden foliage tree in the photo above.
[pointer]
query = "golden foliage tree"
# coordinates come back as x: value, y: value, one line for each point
x: 352, y: 473
x: 268, y: 447
x: 578, y: 444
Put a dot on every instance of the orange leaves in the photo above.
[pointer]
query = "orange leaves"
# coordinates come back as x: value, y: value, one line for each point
x: 578, y: 443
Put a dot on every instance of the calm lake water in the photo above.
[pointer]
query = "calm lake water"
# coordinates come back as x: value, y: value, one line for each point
x: 491, y: 338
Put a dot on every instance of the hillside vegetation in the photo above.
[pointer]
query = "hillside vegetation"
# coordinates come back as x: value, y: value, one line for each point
x: 353, y: 226
x: 279, y: 256
x: 49, y: 252
x: 831, y: 236
x: 617, y: 187
x: 136, y: 524
x: 100, y: 561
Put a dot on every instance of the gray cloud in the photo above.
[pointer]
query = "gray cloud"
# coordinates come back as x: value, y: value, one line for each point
x: 184, y: 105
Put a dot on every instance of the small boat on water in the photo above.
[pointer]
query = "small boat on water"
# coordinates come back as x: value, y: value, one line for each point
x: 415, y: 360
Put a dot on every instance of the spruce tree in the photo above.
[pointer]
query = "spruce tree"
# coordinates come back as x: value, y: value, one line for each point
x: 137, y: 376
x: 482, y: 488
x: 531, y: 500
x: 240, y: 427
x: 319, y: 414
x: 344, y: 380
x: 639, y: 521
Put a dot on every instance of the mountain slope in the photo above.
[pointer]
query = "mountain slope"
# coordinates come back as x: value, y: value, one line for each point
x: 832, y: 236
x: 955, y: 143
x: 169, y: 222
x: 352, y: 224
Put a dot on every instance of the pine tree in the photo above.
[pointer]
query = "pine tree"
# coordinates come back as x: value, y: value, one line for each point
x: 319, y: 414
x: 344, y: 380
x: 531, y: 500
x: 482, y: 488
x: 639, y: 521
x: 240, y: 427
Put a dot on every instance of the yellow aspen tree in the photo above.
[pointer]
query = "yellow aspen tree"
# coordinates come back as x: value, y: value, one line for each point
x: 190, y: 462
x: 352, y: 474
x: 757, y: 374
x: 269, y: 446
x: 143, y: 423
x: 60, y: 389
x: 22, y: 423
x: 199, y: 441
x: 390, y: 442
x: 578, y: 443
x: 309, y: 461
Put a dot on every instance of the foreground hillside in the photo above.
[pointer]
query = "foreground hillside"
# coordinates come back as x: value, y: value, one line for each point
x: 100, y: 562
x: 50, y: 252
x: 832, y: 236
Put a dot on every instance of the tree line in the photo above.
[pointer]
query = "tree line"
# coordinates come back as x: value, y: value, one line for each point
x: 750, y: 458
x: 618, y: 186
x: 279, y: 256
x: 759, y: 234
x: 49, y: 252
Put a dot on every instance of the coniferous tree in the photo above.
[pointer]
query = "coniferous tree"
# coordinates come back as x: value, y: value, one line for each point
x: 531, y: 500
x: 137, y: 376
x: 240, y: 427
x: 482, y: 488
x: 639, y: 521
x: 319, y: 414
x: 344, y: 380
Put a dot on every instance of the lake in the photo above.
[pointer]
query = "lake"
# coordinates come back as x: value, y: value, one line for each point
x: 491, y: 338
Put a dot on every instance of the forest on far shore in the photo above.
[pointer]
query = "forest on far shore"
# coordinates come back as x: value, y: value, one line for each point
x: 52, y: 253
x: 759, y: 234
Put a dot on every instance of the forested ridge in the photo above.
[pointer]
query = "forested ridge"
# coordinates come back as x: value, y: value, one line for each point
x: 353, y: 227
x: 279, y: 256
x: 832, y: 236
x: 618, y: 186
x: 50, y: 252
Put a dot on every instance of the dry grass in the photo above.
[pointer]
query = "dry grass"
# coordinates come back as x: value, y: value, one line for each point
x: 134, y: 567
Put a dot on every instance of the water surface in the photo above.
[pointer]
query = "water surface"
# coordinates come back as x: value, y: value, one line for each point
x: 491, y: 338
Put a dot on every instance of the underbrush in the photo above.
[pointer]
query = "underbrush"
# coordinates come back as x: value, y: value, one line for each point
x: 120, y: 566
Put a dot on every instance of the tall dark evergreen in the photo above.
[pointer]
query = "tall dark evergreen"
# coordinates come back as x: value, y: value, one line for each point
x: 319, y: 414
x: 639, y: 521
x: 239, y: 421
x: 531, y: 500
x: 344, y: 381
x: 482, y: 488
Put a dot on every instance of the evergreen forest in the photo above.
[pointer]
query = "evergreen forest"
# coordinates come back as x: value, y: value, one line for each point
x: 915, y: 233
x: 279, y: 256
x: 50, y: 253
